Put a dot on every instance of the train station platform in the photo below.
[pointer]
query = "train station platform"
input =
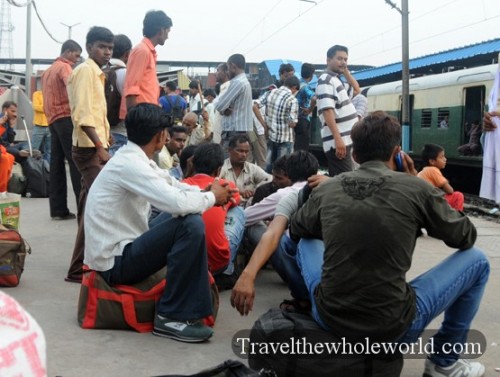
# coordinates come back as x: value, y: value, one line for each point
x: 74, y: 352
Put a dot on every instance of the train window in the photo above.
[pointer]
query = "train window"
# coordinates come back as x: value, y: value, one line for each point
x: 443, y: 117
x: 426, y: 118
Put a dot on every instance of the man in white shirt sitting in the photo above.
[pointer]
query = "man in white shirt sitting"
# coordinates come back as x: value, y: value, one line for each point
x: 125, y: 250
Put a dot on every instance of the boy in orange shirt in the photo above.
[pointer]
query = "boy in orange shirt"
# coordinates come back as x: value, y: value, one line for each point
x: 433, y: 156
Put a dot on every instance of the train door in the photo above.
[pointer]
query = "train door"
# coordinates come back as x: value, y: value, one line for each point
x: 474, y: 100
x: 410, y: 113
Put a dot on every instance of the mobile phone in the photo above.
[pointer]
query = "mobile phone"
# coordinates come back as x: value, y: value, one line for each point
x: 399, y: 161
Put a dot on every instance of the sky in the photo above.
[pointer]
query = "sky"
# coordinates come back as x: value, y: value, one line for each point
x: 212, y: 30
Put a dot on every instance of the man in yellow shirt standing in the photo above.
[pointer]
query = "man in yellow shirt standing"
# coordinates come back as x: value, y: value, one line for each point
x: 41, y: 135
x: 91, y: 132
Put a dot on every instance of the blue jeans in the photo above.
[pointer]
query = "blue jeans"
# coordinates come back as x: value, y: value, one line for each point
x: 275, y: 151
x: 40, y: 139
x: 455, y: 286
x: 179, y: 244
x: 176, y: 172
x: 119, y: 141
x: 234, y: 227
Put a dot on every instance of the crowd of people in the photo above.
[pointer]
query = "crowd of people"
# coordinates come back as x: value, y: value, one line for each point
x: 190, y: 183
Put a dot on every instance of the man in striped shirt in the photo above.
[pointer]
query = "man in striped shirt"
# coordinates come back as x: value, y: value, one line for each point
x: 282, y: 111
x: 336, y: 112
x: 235, y: 104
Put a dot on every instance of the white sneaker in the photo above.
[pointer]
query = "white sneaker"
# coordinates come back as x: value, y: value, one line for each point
x: 462, y: 368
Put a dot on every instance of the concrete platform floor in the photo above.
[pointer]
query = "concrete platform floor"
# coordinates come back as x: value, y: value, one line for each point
x: 73, y: 352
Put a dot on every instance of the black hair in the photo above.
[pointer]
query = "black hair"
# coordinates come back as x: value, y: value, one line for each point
x: 207, y: 158
x: 238, y: 139
x: 70, y: 45
x: 121, y: 45
x: 238, y: 60
x: 177, y: 130
x: 333, y: 50
x: 209, y: 92
x: 186, y: 153
x: 286, y: 67
x: 292, y: 82
x: 430, y: 152
x: 171, y: 85
x: 307, y: 70
x: 99, y: 33
x: 280, y: 164
x: 194, y: 84
x: 375, y: 136
x: 144, y: 121
x: 154, y: 22
x: 300, y: 165
x: 8, y: 104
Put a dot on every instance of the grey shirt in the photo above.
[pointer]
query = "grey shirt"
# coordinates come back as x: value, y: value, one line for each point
x: 238, y: 97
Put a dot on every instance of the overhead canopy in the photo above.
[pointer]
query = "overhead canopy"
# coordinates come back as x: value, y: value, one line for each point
x: 463, y: 57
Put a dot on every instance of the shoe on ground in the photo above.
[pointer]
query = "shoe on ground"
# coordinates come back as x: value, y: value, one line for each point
x: 73, y: 279
x: 225, y: 282
x: 462, y: 368
x: 68, y: 216
x: 183, y: 331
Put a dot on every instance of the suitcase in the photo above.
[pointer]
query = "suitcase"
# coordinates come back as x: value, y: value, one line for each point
x: 37, y: 173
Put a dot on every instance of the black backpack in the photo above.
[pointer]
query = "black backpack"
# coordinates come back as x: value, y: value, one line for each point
x: 277, y: 326
x: 176, y: 111
x: 113, y: 96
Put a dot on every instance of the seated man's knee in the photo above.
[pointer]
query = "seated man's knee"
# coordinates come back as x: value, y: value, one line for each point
x: 194, y: 223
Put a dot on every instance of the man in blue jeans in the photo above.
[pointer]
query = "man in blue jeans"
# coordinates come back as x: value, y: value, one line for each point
x: 125, y: 250
x: 354, y: 278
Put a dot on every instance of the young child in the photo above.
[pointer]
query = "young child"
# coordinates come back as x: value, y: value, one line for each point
x: 435, y: 160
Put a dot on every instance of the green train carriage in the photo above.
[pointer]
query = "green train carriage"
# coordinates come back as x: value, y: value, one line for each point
x: 459, y: 95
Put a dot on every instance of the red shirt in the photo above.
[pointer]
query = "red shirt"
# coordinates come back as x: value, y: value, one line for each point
x: 214, y: 218
x: 55, y: 95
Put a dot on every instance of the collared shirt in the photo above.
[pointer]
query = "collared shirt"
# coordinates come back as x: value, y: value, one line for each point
x: 119, y: 203
x: 251, y: 176
x: 369, y: 220
x: 304, y: 96
x: 331, y: 94
x: 282, y: 109
x: 141, y: 79
x: 197, y: 135
x: 267, y: 206
x: 238, y: 97
x: 165, y: 159
x: 39, y: 118
x: 54, y: 82
x: 216, y: 125
x: 88, y: 104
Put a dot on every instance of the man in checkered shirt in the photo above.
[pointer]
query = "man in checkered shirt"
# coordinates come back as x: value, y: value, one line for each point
x: 282, y: 110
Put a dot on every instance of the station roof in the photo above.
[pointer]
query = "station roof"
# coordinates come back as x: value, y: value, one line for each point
x: 462, y: 57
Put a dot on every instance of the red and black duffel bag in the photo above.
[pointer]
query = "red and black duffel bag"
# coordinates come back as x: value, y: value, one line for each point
x: 125, y: 307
